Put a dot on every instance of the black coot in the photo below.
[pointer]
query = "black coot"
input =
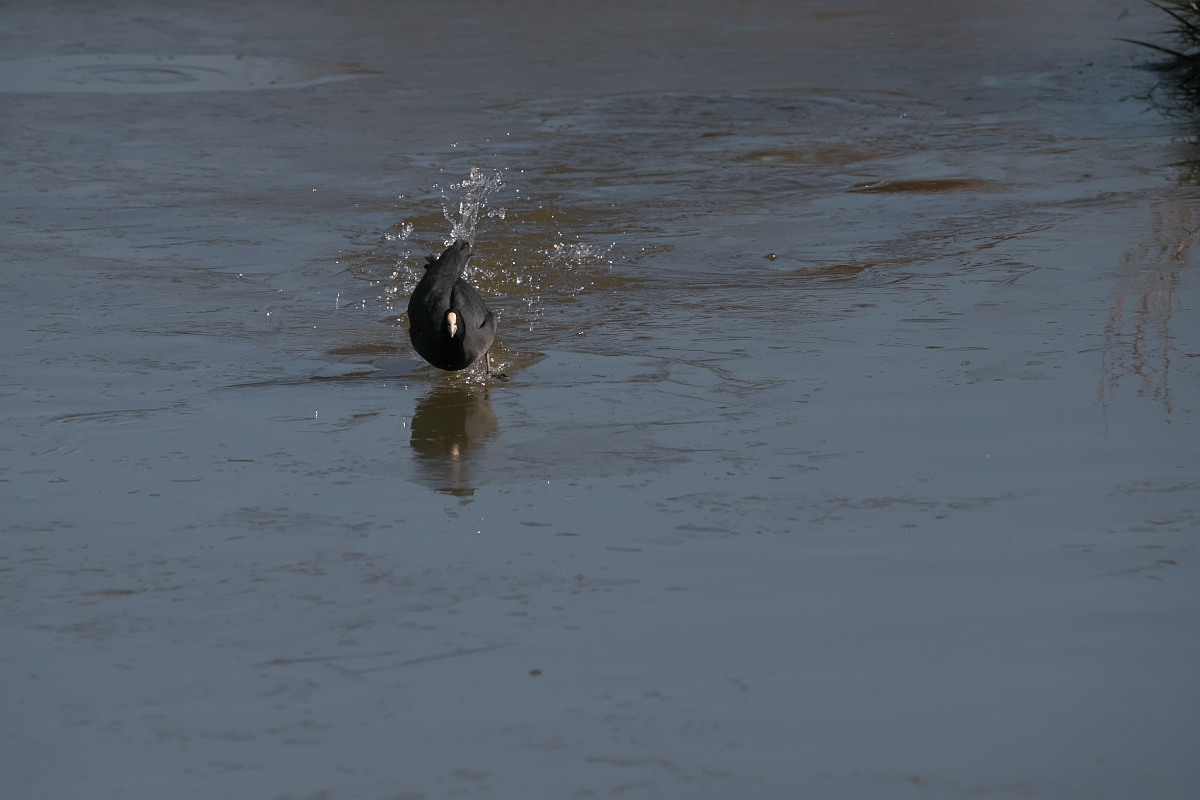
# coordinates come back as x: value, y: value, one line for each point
x: 449, y: 325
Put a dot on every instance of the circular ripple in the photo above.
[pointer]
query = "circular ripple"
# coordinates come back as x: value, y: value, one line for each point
x: 132, y: 74
x: 115, y: 74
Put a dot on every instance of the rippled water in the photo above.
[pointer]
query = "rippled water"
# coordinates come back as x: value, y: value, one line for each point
x: 141, y: 74
x: 847, y: 450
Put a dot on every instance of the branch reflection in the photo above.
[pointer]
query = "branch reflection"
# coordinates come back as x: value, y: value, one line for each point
x: 1141, y: 345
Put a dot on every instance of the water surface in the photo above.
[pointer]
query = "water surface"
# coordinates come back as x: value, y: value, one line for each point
x: 848, y: 449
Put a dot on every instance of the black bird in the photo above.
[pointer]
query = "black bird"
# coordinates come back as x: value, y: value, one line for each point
x: 449, y: 325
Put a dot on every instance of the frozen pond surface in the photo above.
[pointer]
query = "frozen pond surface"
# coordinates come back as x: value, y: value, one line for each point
x: 849, y: 449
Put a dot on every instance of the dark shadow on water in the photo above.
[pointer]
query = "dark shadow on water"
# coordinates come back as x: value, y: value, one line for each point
x: 450, y: 426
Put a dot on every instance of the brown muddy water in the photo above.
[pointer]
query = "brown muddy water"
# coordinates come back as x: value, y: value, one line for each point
x: 849, y: 449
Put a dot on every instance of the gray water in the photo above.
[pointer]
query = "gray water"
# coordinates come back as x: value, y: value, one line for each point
x: 848, y: 449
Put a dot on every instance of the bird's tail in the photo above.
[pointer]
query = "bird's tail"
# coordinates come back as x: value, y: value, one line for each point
x: 461, y: 249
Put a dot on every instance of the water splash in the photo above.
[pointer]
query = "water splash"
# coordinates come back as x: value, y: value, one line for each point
x: 399, y: 232
x: 464, y: 213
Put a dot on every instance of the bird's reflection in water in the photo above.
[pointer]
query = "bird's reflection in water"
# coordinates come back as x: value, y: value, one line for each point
x: 449, y: 426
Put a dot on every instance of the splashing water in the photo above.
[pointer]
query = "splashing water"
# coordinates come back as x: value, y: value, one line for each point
x: 529, y: 263
x: 475, y: 188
